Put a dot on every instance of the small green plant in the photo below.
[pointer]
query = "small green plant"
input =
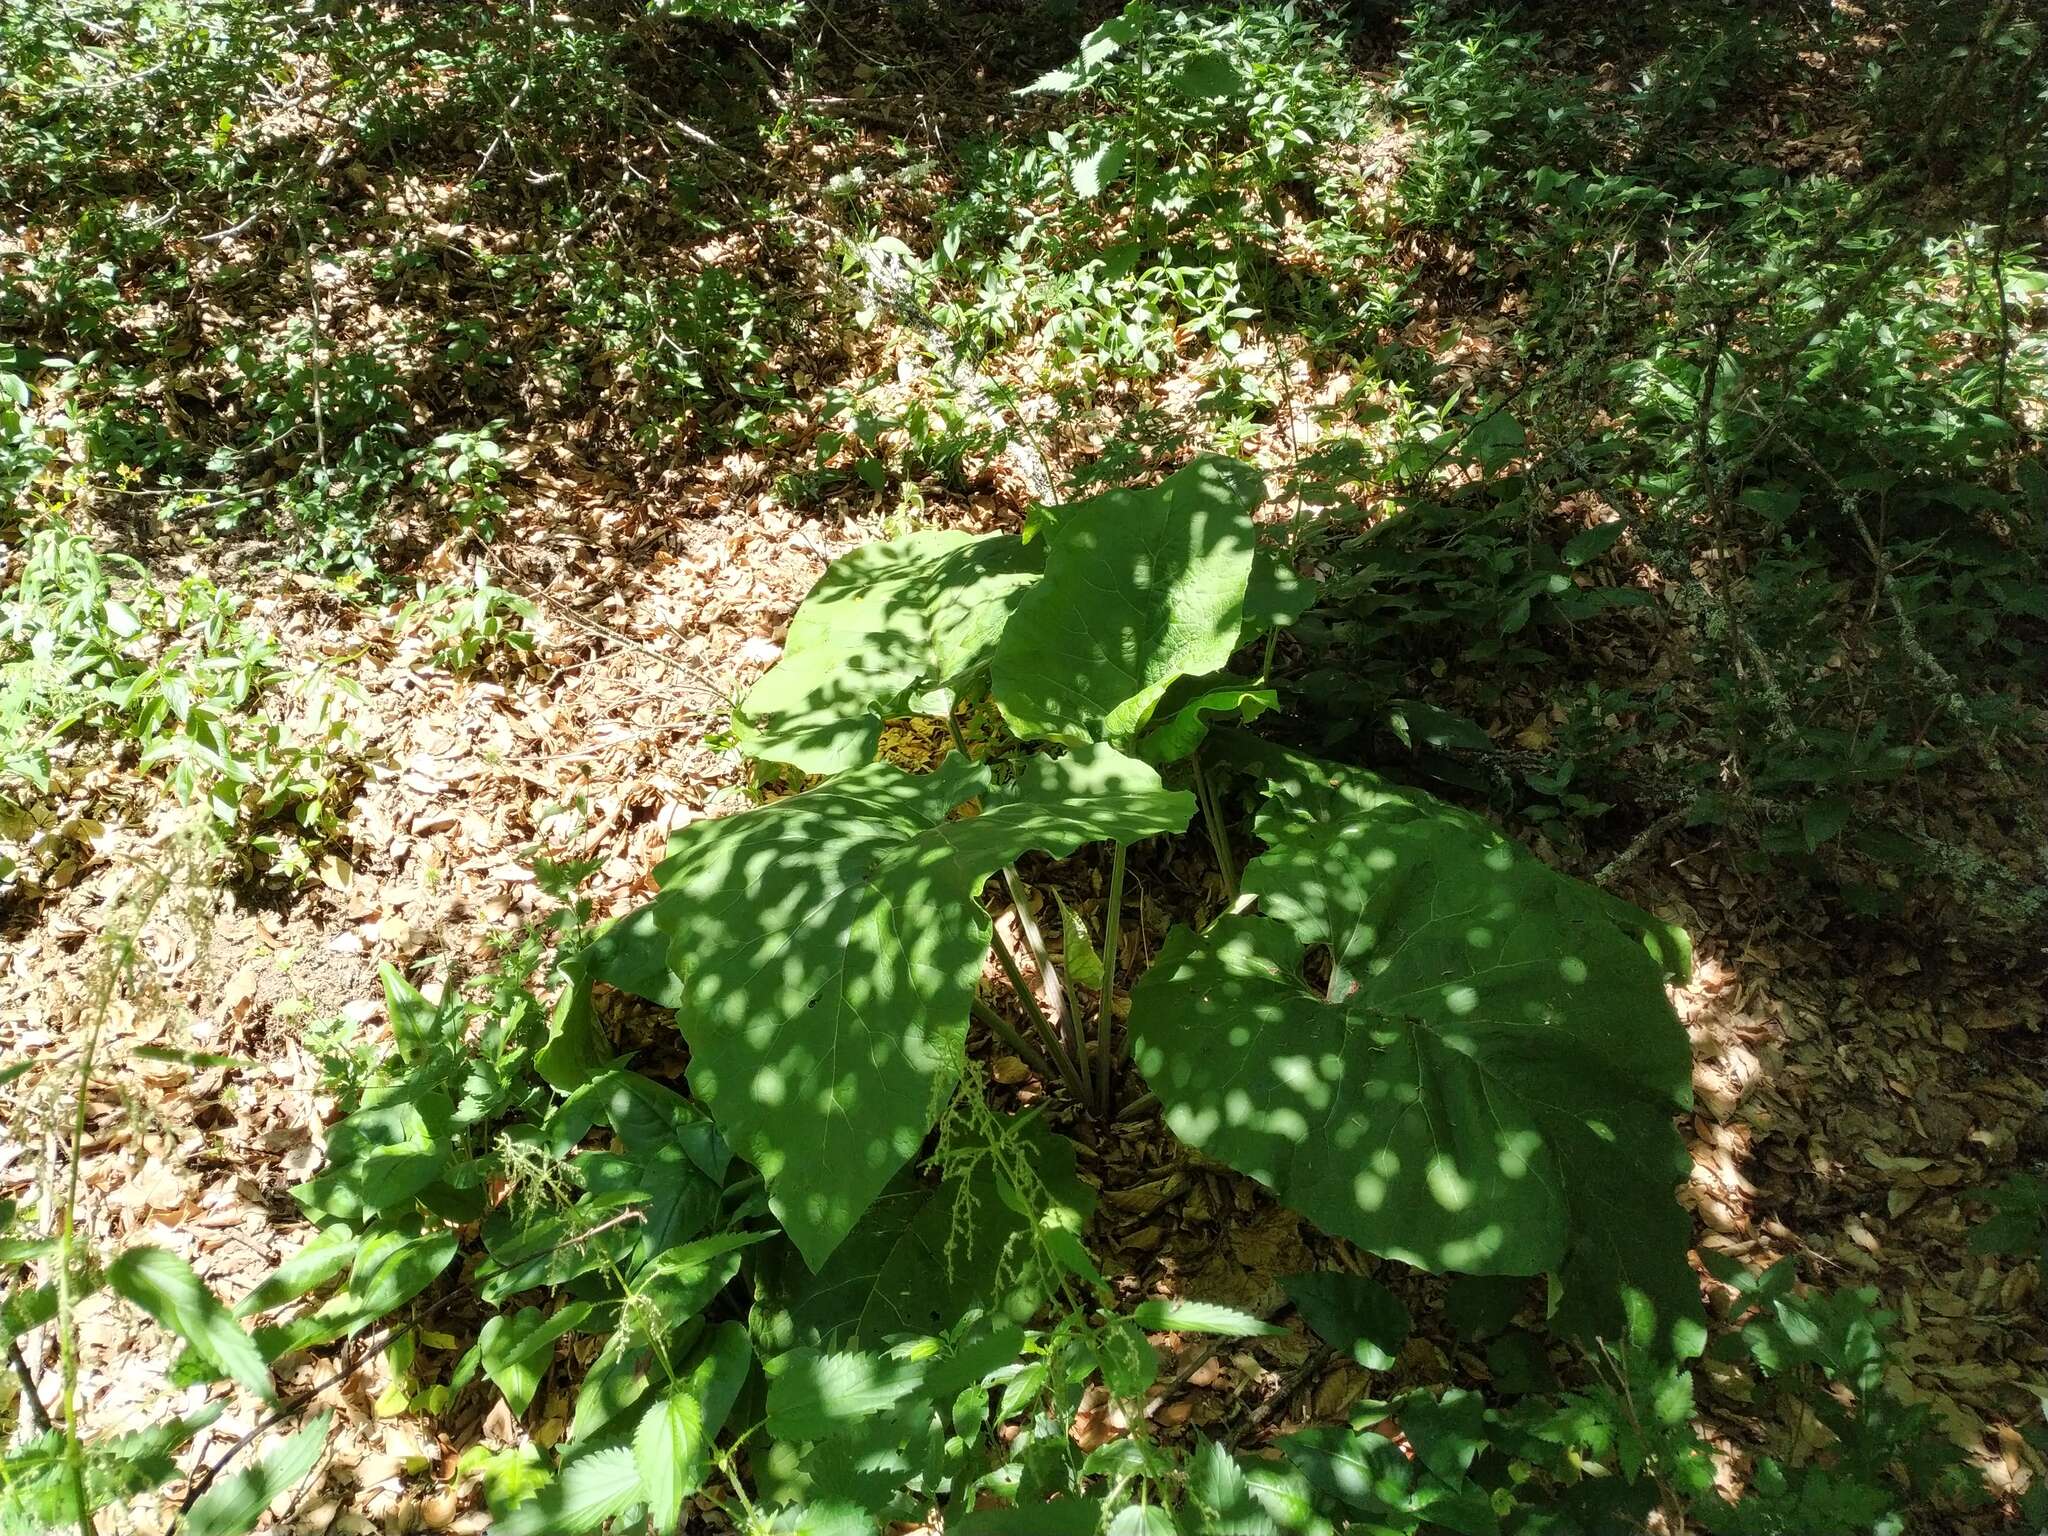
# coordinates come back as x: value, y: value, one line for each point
x: 90, y: 644
x: 469, y: 627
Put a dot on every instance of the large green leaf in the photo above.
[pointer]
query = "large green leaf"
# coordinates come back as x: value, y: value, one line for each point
x: 1435, y: 1046
x: 828, y: 946
x: 1141, y: 587
x: 890, y: 629
x: 924, y: 1254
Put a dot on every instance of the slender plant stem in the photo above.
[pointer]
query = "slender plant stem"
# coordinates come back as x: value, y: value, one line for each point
x: 1212, y: 818
x: 1065, y: 1014
x: 1054, y: 1048
x: 1007, y: 1032
x: 959, y: 740
x: 1112, y: 922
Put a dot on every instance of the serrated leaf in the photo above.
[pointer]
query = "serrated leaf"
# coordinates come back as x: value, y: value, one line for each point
x: 233, y: 1505
x: 1202, y: 1317
x: 889, y: 630
x: 669, y: 1441
x: 1126, y: 1358
x: 1141, y: 588
x: 590, y: 1490
x: 1094, y: 171
x: 1352, y: 1313
x: 828, y: 946
x: 813, y: 1395
x: 1484, y: 1082
x: 165, y: 1287
x: 1142, y: 1520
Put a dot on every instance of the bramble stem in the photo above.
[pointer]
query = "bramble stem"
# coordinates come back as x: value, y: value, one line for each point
x: 1105, y: 1072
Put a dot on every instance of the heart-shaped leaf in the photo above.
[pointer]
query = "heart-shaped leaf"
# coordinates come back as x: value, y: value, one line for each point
x: 1435, y: 1046
x: 1141, y: 587
x: 827, y: 947
x: 890, y: 629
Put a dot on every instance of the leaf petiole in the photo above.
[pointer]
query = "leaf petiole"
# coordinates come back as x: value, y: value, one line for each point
x: 1105, y: 1070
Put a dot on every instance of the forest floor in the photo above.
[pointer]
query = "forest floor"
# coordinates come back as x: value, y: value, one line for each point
x: 1856, y: 1081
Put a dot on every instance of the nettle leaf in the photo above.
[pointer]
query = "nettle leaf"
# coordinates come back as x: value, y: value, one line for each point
x: 814, y: 1396
x: 1437, y: 1047
x: 1202, y: 1317
x: 1141, y: 587
x: 890, y: 629
x: 1094, y: 171
x: 672, y: 1445
x: 827, y: 947
x: 591, y: 1490
x: 925, y: 1254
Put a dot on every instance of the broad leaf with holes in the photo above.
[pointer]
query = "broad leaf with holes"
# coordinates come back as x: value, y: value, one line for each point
x: 826, y: 948
x: 1437, y: 1047
x: 1141, y: 587
x: 890, y: 629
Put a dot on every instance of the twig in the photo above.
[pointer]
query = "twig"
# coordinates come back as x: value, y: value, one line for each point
x: 1276, y: 1405
x: 38, y: 1415
x: 711, y: 690
x: 1641, y: 843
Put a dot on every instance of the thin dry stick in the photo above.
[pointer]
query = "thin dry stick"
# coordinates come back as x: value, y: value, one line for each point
x: 38, y: 1415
